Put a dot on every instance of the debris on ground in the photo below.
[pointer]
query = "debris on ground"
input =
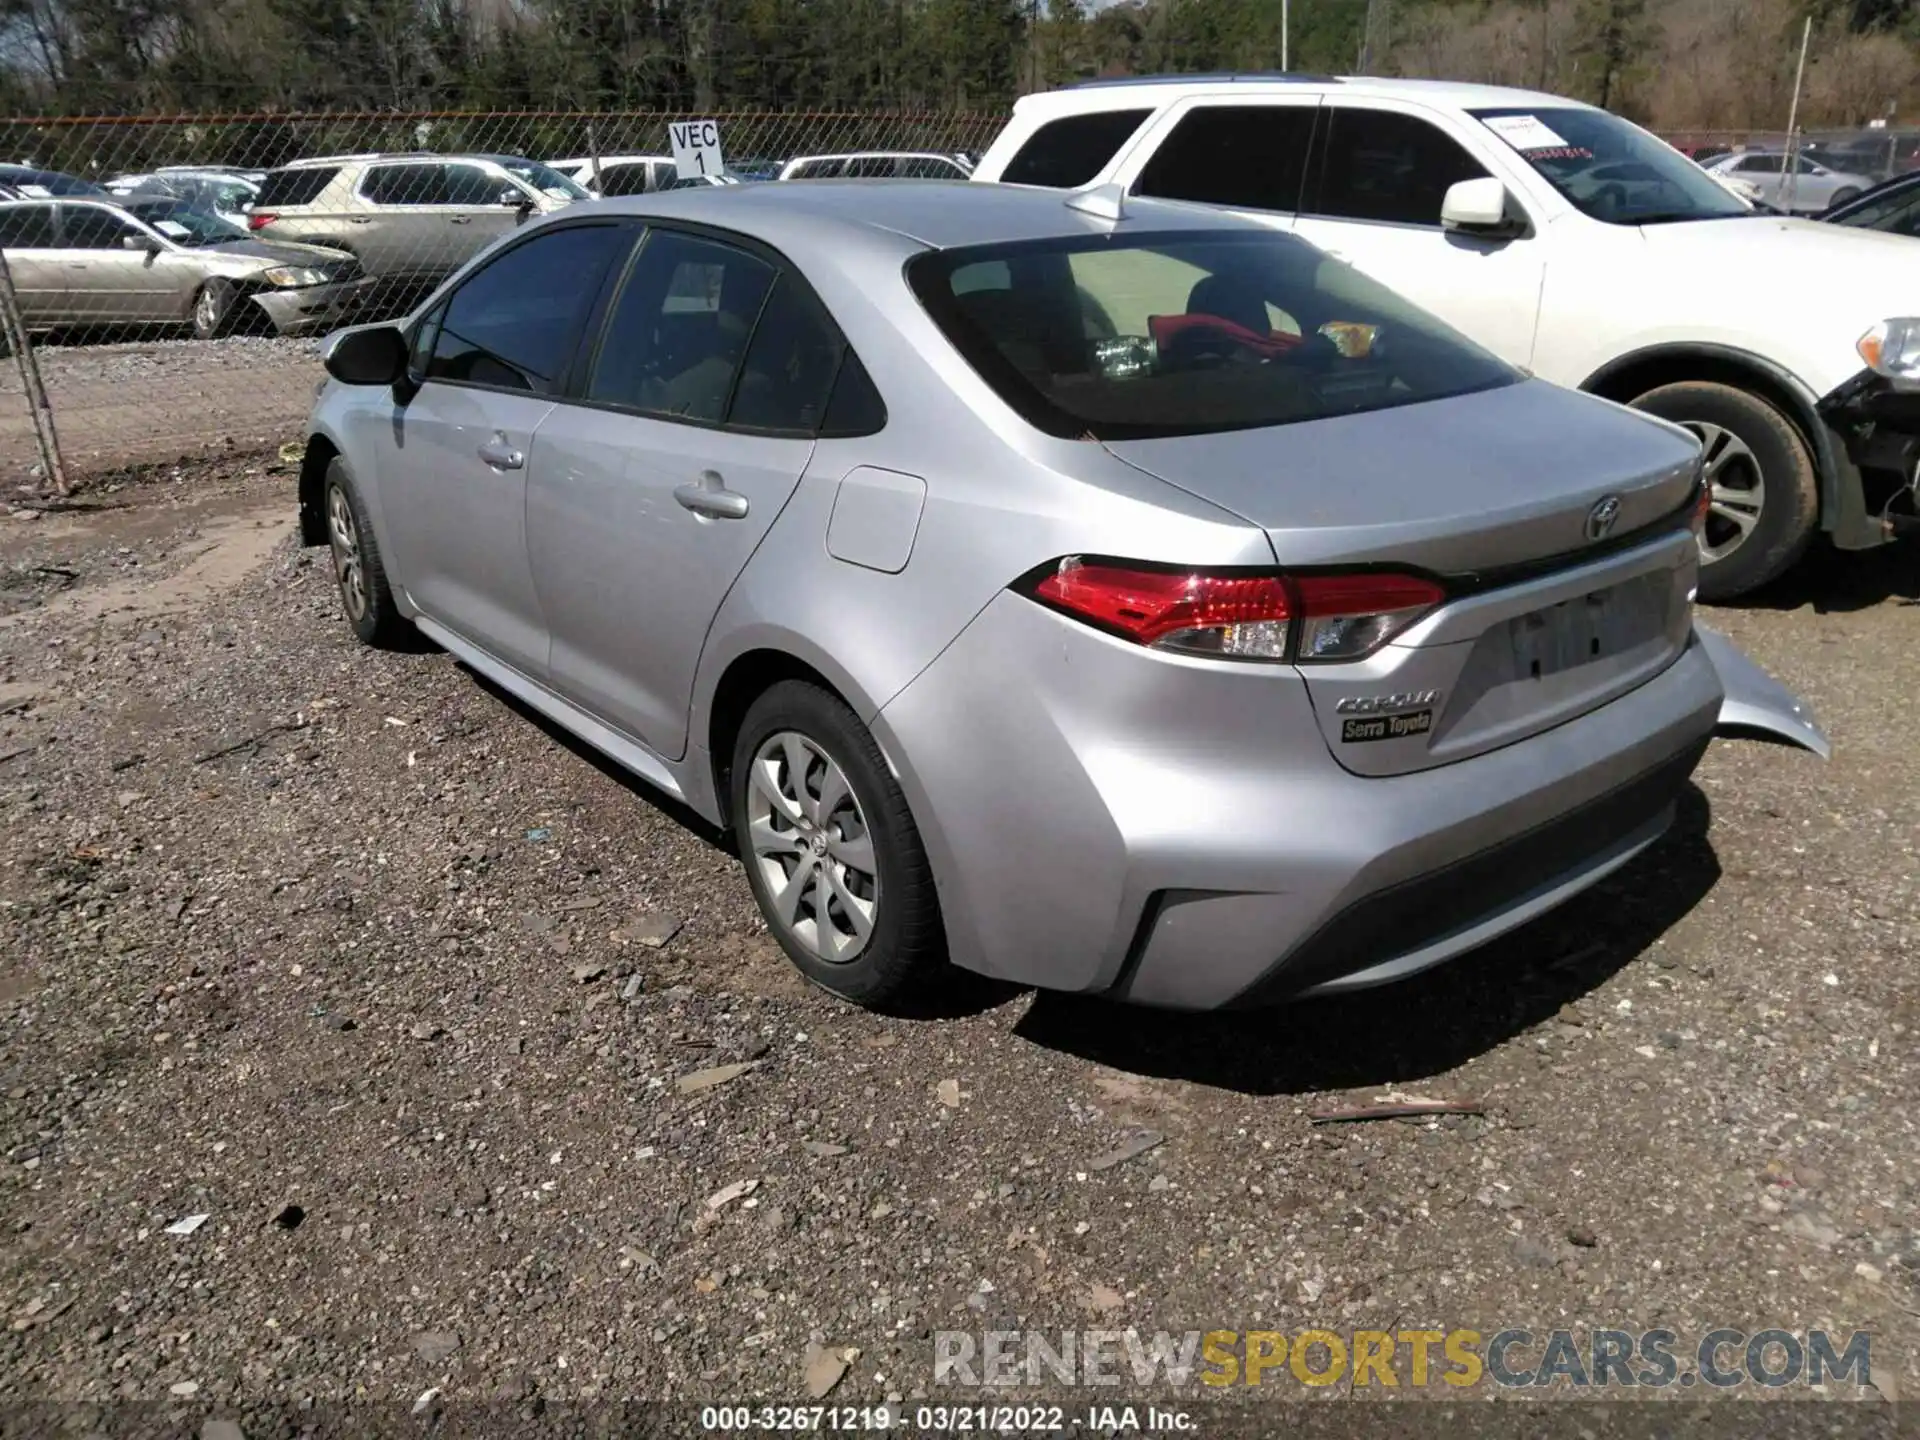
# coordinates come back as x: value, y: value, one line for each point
x: 1134, y: 1146
x: 713, y: 1075
x: 1395, y: 1108
x: 727, y: 1194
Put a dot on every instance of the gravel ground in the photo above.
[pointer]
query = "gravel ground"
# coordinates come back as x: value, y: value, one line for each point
x: 196, y: 398
x: 399, y: 989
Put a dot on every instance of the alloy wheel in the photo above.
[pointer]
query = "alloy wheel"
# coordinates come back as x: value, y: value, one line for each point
x: 810, y: 841
x: 344, y: 538
x: 206, y: 310
x: 1736, y: 490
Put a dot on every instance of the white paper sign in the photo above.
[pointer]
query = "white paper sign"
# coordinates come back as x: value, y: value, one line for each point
x: 696, y: 148
x: 1524, y: 132
x: 173, y: 228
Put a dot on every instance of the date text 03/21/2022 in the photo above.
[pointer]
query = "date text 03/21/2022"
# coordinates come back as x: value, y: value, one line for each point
x: 950, y: 1419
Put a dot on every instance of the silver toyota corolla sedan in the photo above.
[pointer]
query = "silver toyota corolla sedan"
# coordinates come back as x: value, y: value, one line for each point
x: 1112, y: 597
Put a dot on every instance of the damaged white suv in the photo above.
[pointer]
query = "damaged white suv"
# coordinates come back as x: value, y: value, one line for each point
x: 1572, y: 243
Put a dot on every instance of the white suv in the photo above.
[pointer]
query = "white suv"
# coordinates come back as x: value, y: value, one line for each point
x: 1571, y: 243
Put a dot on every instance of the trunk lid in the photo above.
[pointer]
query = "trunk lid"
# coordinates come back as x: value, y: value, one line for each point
x: 1474, y: 482
x: 1494, y: 492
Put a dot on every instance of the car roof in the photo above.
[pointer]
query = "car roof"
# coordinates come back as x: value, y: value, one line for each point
x: 936, y: 214
x: 874, y: 155
x: 574, y: 160
x: 1159, y: 89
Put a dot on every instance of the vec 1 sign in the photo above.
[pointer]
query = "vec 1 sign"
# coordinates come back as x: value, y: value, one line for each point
x: 696, y: 148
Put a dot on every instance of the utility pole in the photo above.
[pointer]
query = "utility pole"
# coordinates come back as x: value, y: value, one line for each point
x: 1284, y: 26
x: 1793, y: 115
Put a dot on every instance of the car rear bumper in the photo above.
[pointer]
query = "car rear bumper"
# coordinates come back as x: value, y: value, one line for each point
x: 314, y: 309
x: 1174, y: 832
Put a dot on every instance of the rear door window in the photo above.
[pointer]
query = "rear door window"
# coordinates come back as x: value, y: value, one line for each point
x: 1250, y: 156
x: 790, y: 364
x: 405, y: 185
x: 472, y: 187
x: 674, y: 342
x: 1067, y: 153
x: 514, y: 324
x: 26, y: 227
x: 295, y: 187
x: 1384, y: 166
x: 623, y: 179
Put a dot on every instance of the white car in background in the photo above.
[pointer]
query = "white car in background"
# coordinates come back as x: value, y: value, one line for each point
x: 1814, y: 186
x: 1565, y: 240
x: 878, y: 165
x: 618, y: 174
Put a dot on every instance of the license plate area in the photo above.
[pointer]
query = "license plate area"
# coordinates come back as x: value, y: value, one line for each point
x: 1583, y: 630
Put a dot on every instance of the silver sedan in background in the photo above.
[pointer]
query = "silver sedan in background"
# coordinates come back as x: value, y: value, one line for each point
x: 138, y: 261
x: 1113, y: 597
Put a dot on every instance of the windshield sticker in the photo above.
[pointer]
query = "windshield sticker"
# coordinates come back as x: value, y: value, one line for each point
x: 172, y: 228
x: 38, y: 192
x: 1525, y: 133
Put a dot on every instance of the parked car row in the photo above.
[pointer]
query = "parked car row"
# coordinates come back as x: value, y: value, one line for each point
x: 1558, y: 236
x: 405, y: 221
x: 101, y: 261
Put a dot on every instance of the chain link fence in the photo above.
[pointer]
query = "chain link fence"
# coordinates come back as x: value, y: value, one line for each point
x: 165, y: 278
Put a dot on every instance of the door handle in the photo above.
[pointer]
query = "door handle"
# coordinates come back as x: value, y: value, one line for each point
x: 460, y: 219
x: 709, y: 498
x: 500, y: 455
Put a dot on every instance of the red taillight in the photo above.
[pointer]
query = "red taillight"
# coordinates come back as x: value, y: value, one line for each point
x: 260, y: 219
x: 1159, y: 607
x: 1241, y: 616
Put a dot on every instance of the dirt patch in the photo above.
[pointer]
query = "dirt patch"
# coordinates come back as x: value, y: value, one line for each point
x: 368, y: 969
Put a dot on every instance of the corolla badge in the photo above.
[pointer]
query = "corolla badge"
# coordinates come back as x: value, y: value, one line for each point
x: 1385, y: 704
x: 1603, y: 515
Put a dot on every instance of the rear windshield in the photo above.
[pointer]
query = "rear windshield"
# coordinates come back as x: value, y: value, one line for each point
x: 295, y: 187
x: 1133, y: 336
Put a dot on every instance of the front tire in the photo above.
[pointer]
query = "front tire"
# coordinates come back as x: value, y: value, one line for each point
x: 364, y: 592
x: 831, y: 850
x: 213, y: 309
x: 1841, y: 197
x: 1765, y: 493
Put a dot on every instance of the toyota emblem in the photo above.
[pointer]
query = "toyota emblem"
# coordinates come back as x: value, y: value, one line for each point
x: 1601, y: 518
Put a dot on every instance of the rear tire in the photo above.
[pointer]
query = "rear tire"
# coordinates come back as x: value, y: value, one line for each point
x: 364, y: 593
x: 1766, y: 494
x: 832, y: 852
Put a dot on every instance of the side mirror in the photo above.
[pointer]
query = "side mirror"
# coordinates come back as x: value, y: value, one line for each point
x: 145, y: 244
x: 1477, y: 207
x: 366, y: 355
